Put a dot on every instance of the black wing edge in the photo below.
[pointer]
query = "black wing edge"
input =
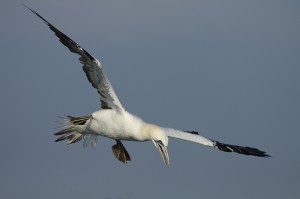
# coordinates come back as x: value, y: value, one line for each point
x: 240, y: 149
x: 64, y: 39
x: 235, y: 148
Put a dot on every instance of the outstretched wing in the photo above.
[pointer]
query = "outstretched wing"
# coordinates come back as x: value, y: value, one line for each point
x: 92, y: 68
x: 194, y: 136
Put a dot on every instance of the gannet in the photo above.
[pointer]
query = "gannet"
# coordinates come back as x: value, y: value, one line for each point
x: 115, y: 122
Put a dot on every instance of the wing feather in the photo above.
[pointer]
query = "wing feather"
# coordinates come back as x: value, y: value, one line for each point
x: 194, y: 136
x: 92, y: 68
x: 189, y: 136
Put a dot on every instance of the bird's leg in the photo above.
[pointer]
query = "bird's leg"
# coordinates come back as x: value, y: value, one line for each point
x: 120, y: 152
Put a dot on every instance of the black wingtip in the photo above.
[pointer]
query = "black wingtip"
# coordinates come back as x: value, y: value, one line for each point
x: 240, y: 149
x: 25, y: 5
x: 29, y: 8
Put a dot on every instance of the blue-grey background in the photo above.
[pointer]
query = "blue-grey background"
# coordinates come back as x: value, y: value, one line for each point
x: 228, y: 69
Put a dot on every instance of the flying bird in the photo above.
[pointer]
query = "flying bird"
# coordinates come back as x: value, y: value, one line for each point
x: 115, y: 122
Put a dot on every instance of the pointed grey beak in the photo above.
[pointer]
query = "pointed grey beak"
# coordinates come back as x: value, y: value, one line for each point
x: 163, y: 151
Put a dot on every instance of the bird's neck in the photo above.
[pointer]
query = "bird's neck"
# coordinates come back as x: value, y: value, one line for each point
x: 146, y: 130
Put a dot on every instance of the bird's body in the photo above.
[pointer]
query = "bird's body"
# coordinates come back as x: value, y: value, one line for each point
x: 114, y: 122
x: 117, y: 125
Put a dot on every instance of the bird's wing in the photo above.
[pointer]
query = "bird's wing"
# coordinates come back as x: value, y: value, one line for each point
x: 194, y: 136
x: 92, y: 68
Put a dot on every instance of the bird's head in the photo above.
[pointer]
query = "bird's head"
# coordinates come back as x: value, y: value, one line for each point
x: 160, y: 141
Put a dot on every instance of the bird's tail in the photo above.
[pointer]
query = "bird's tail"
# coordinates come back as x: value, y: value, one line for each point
x: 70, y: 129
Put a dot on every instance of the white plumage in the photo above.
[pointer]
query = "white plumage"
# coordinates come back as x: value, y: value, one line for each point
x: 114, y: 122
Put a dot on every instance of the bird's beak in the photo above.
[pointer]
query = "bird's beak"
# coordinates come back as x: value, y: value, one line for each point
x: 163, y: 151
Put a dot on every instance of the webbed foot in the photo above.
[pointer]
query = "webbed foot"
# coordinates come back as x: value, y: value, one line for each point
x: 120, y: 152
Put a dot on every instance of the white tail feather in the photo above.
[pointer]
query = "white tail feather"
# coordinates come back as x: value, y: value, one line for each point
x: 71, y: 129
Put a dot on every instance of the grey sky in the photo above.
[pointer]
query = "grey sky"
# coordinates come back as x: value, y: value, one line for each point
x: 229, y: 69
